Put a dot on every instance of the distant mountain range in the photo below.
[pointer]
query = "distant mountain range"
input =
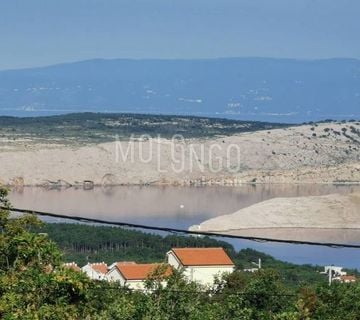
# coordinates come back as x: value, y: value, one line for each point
x: 281, y: 90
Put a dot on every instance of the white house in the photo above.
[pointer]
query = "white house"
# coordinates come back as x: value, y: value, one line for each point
x: 336, y: 271
x: 201, y: 265
x: 72, y: 265
x: 345, y: 279
x: 133, y: 275
x: 96, y: 271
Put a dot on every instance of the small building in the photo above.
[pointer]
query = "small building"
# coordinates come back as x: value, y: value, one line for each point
x: 252, y: 270
x: 345, y: 279
x: 72, y: 265
x: 96, y: 271
x: 335, y: 270
x: 133, y: 275
x: 201, y: 265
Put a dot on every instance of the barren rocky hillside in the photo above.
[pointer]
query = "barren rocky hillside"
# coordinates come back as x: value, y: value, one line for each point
x: 314, y: 153
x: 329, y: 211
x: 330, y: 218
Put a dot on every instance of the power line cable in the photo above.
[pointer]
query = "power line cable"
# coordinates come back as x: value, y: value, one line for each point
x: 183, y: 231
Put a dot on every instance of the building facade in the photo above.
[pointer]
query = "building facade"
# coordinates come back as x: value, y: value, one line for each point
x: 134, y: 276
x: 96, y: 271
x: 201, y: 265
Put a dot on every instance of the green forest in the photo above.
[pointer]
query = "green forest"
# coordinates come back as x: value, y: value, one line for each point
x: 35, y: 285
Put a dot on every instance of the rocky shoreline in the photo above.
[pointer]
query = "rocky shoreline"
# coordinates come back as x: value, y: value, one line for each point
x: 319, y: 217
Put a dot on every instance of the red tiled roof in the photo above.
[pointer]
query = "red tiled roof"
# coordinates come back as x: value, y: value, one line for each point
x: 119, y: 263
x: 141, y: 271
x: 202, y: 256
x: 100, y: 267
x: 72, y: 266
x: 348, y: 278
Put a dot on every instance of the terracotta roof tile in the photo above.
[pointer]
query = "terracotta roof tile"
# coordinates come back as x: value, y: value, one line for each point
x: 141, y: 271
x: 348, y: 278
x: 202, y: 256
x: 100, y: 267
x: 72, y: 266
x: 119, y: 263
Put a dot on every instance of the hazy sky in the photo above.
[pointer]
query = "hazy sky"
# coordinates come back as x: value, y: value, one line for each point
x: 42, y: 32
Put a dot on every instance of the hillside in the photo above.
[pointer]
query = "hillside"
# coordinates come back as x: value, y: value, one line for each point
x: 330, y: 218
x: 92, y: 128
x: 276, y: 90
x: 232, y: 153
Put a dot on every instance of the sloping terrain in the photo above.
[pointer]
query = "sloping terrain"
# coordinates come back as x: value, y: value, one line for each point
x: 313, y: 153
x: 332, y: 218
x: 324, y: 212
x: 91, y: 128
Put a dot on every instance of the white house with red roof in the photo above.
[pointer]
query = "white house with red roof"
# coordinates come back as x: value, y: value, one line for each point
x: 133, y: 275
x: 72, y: 265
x: 345, y: 279
x: 201, y: 265
x: 96, y: 271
